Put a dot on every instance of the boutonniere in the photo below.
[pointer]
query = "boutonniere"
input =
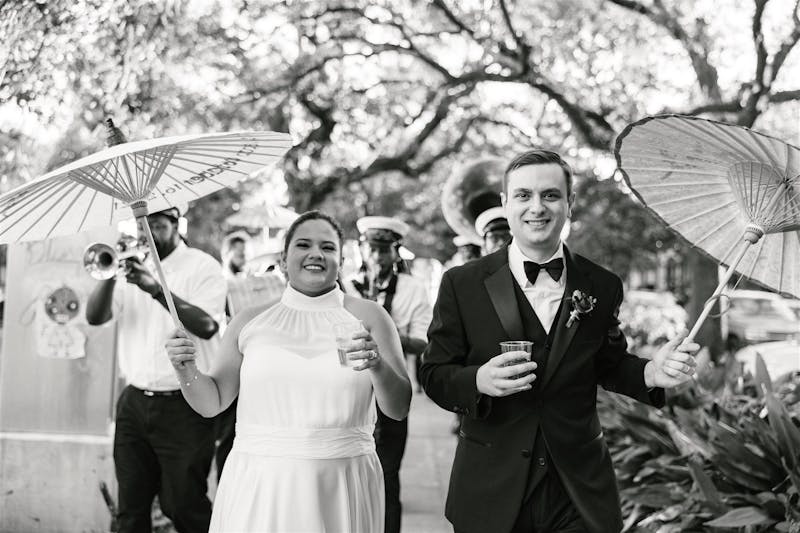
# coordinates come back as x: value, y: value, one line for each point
x: 582, y: 304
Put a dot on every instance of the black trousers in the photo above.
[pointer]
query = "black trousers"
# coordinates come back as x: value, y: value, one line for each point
x: 390, y: 443
x: 224, y: 432
x: 549, y: 510
x: 162, y: 447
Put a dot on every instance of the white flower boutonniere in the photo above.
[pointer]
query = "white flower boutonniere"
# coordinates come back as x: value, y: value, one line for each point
x: 582, y: 304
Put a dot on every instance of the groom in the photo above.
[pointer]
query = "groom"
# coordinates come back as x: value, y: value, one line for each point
x: 531, y: 456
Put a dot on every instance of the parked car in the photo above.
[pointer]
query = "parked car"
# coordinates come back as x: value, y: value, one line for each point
x: 780, y: 358
x: 758, y: 316
x: 794, y: 305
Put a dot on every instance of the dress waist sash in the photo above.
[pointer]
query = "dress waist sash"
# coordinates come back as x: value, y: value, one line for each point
x: 304, y: 443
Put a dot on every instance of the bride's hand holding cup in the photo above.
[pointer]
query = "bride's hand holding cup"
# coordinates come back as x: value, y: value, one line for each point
x: 357, y: 349
x: 368, y: 356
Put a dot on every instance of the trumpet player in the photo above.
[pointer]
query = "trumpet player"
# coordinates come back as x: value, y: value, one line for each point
x: 161, y: 446
x: 405, y: 298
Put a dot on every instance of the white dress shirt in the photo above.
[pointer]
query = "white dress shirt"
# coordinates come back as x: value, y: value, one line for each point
x: 545, y: 295
x: 144, y: 324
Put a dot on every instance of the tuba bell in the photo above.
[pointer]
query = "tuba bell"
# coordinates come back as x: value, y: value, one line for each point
x: 469, y: 193
x: 103, y: 262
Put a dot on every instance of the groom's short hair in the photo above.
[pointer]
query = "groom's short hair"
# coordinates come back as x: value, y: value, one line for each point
x: 538, y: 156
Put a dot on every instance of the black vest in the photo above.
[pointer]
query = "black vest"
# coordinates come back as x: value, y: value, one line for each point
x: 542, y: 343
x: 390, y: 290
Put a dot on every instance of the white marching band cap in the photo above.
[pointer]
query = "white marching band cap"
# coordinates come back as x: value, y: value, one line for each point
x: 460, y: 240
x: 491, y: 214
x: 179, y: 209
x: 382, y: 229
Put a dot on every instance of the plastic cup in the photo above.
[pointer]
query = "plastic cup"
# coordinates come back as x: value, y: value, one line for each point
x: 344, y: 332
x: 517, y: 346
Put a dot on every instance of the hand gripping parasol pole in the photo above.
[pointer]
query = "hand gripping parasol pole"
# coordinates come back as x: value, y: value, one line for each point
x: 751, y: 235
x: 140, y: 212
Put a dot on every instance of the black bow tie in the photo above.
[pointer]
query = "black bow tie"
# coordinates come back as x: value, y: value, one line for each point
x: 554, y: 267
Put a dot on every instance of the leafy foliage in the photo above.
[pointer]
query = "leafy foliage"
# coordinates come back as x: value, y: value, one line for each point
x: 714, y: 463
x: 607, y: 221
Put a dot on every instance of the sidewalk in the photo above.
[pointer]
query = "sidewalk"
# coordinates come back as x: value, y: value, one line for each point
x: 425, y: 471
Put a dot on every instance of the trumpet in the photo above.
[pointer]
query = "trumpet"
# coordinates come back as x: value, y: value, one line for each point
x: 103, y: 262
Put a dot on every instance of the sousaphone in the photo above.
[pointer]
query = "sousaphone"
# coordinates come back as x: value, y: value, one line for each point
x: 470, y: 192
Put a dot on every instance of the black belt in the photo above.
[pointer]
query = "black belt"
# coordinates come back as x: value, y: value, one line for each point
x: 158, y: 392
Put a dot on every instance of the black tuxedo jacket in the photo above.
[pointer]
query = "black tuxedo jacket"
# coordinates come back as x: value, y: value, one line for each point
x: 475, y: 311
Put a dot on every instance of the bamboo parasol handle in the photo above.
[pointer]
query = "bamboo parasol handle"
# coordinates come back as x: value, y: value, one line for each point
x: 157, y: 262
x: 751, y: 236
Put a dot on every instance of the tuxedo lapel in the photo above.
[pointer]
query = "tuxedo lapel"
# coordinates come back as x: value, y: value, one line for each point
x: 576, y: 280
x: 500, y: 285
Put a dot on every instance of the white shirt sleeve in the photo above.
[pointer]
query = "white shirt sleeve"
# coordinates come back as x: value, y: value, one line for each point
x: 421, y: 313
x: 209, y: 287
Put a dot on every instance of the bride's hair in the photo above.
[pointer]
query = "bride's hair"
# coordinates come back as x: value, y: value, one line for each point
x: 312, y: 215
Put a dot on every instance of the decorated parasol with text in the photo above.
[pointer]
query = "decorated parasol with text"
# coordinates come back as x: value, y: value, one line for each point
x: 134, y: 178
x: 732, y: 192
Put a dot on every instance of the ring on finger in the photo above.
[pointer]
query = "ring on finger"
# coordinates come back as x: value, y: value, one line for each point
x: 372, y: 354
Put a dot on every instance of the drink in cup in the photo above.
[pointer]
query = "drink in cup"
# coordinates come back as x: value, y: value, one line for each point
x: 344, y: 332
x: 517, y: 346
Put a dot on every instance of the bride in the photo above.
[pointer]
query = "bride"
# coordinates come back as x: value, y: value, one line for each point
x: 304, y: 457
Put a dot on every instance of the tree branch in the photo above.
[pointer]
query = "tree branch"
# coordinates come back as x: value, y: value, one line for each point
x: 760, y: 86
x: 401, y: 161
x: 707, y: 76
x: 590, y: 125
x: 784, y: 96
x: 319, y: 135
x: 522, y: 46
x: 411, y: 49
x: 787, y: 44
x: 413, y: 147
x: 530, y: 140
x: 431, y: 97
x: 632, y: 6
x: 736, y: 106
x: 716, y: 107
x: 395, y: 22
x: 255, y: 94
x: 453, y: 148
x: 381, y: 83
x: 450, y: 16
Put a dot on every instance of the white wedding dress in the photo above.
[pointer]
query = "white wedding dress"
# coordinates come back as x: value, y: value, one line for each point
x: 304, y: 457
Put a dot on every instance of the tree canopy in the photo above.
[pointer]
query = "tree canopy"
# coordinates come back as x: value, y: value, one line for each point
x: 386, y: 98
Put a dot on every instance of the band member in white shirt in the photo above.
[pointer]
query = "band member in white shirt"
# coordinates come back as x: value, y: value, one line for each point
x: 161, y: 445
x: 405, y: 297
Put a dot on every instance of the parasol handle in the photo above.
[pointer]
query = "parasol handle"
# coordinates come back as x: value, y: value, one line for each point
x: 751, y: 236
x: 157, y: 262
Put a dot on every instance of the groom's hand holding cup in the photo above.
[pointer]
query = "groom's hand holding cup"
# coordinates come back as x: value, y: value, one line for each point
x: 509, y: 372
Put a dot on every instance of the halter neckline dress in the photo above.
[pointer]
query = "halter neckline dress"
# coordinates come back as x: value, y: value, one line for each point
x: 303, y: 459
